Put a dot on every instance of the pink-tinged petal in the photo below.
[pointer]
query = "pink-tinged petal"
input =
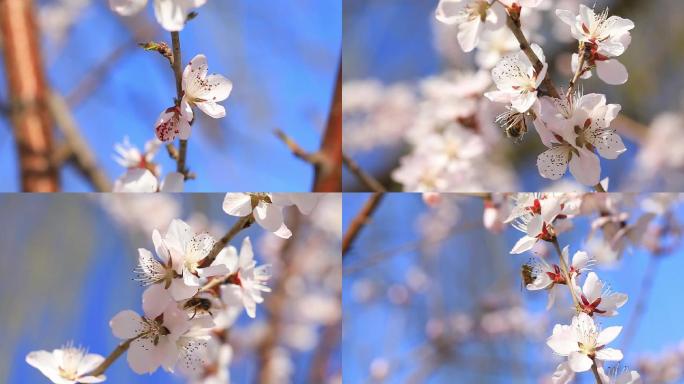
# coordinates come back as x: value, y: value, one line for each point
x: 176, y: 320
x: 499, y: 96
x: 586, y: 167
x: 137, y: 181
x: 553, y: 163
x: 469, y: 34
x: 126, y: 325
x: 562, y: 340
x: 186, y: 109
x: 587, y: 16
x: 180, y: 291
x: 92, y: 379
x: 612, y: 302
x: 542, y: 281
x: 579, y: 362
x: 607, y: 335
x: 147, y: 263
x: 629, y: 377
x: 154, y: 300
x: 212, y: 109
x: 184, y: 129
x: 618, y: 25
x: 522, y: 102
x: 612, y: 72
x: 591, y: 101
x: 609, y: 354
x: 524, y: 244
x: 173, y: 182
x: 167, y: 352
x: 166, y: 127
x: 159, y: 247
x: 250, y: 305
x: 228, y: 257
x: 127, y: 7
x: 237, y: 204
x: 608, y: 143
x: 141, y: 357
x: 231, y: 295
x: 305, y: 202
x: 553, y: 292
x: 268, y: 216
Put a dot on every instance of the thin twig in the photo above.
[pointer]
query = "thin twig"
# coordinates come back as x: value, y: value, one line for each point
x: 594, y: 370
x: 116, y: 353
x: 361, y: 219
x: 578, y: 72
x: 566, y: 272
x: 75, y: 148
x: 242, y: 223
x: 311, y: 158
x: 365, y: 178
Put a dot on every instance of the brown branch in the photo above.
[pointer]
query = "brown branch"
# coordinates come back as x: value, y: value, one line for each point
x: 116, y: 353
x: 178, y: 74
x: 75, y: 148
x: 361, y: 219
x: 315, y: 159
x: 321, y: 358
x: 362, y: 175
x: 28, y: 91
x: 594, y: 370
x: 328, y: 174
x: 242, y: 223
x: 580, y: 70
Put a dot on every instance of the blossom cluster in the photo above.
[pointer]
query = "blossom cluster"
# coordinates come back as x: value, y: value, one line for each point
x: 196, y: 287
x: 571, y: 125
x: 542, y: 218
x: 198, y: 89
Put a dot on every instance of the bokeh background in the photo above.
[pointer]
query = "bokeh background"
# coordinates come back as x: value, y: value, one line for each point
x: 431, y: 296
x: 282, y: 56
x: 398, y: 43
x: 66, y: 265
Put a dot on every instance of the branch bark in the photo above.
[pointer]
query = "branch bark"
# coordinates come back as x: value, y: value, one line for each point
x: 28, y: 90
x: 178, y: 74
x: 365, y: 178
x: 361, y: 219
x: 328, y: 174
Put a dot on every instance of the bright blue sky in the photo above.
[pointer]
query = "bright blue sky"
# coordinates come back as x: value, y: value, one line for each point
x: 393, y: 41
x: 281, y: 56
x: 382, y: 329
x: 66, y: 270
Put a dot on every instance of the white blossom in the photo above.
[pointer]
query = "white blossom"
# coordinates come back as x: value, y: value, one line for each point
x: 68, y: 365
x: 171, y: 14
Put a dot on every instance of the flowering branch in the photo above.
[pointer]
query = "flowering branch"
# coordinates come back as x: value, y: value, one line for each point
x: 242, y: 223
x: 361, y: 219
x: 178, y: 74
x: 116, y: 353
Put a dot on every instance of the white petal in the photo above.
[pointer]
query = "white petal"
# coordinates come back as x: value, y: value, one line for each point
x: 137, y: 180
x: 212, y: 109
x: 283, y: 232
x: 469, y: 34
x: 609, y: 354
x: 524, y: 244
x: 127, y: 7
x: 579, y: 362
x: 180, y: 291
x: 126, y: 324
x: 170, y: 14
x: 553, y: 163
x: 268, y: 216
x: 608, y: 143
x: 246, y: 253
x: 562, y: 341
x: 237, y: 204
x: 44, y: 361
x: 607, y: 335
x: 586, y: 167
x: 592, y: 287
x: 612, y: 72
x: 173, y: 182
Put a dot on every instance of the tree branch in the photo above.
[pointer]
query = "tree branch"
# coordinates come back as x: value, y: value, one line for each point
x: 361, y: 219
x: 76, y: 149
x: 328, y: 174
x: 178, y: 74
x: 365, y: 178
x: 28, y: 91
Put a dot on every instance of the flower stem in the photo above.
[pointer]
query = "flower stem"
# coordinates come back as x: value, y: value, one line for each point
x: 513, y: 24
x: 116, y: 353
x: 241, y: 224
x: 178, y: 74
x: 578, y: 72
x: 594, y: 370
x: 566, y: 272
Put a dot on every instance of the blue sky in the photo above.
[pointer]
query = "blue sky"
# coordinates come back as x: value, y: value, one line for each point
x: 381, y: 329
x: 281, y: 56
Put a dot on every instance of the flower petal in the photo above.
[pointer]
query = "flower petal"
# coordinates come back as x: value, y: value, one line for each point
x: 126, y: 324
x: 237, y: 204
x: 612, y: 72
